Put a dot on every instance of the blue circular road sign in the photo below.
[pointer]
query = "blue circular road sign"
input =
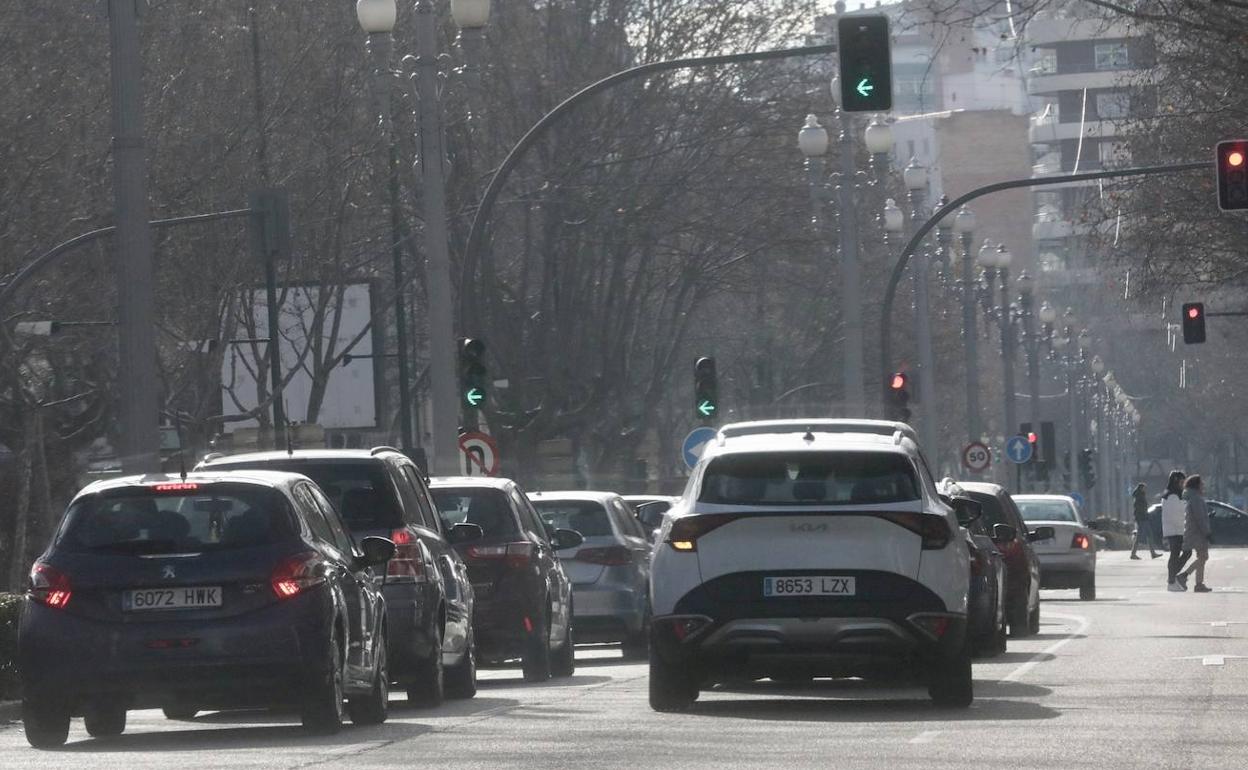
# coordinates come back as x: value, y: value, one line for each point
x: 695, y: 442
x: 1018, y: 449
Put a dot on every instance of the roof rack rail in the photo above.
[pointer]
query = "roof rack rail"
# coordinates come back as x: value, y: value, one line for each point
x: 212, y: 456
x: 379, y: 449
x: 818, y: 425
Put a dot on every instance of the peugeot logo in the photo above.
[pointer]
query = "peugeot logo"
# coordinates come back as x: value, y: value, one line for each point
x: 167, y: 572
x: 808, y: 527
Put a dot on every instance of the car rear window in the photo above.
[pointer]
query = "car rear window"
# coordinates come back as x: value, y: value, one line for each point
x: 1045, y: 510
x: 360, y: 491
x: 487, y: 508
x: 810, y: 478
x: 212, y: 517
x: 994, y: 513
x: 584, y: 516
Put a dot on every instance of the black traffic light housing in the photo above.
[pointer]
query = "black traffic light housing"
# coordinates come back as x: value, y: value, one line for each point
x: 1087, y: 467
x: 866, y: 59
x: 897, y: 397
x: 1232, y: 161
x: 1043, y: 442
x: 705, y: 389
x: 473, y: 388
x: 1194, y: 323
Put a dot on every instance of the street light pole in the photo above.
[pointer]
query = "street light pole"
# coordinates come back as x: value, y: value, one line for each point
x: 915, y: 179
x: 964, y: 224
x: 137, y: 429
x: 1006, y: 316
x: 851, y: 272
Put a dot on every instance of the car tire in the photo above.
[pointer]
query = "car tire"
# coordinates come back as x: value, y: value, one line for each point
x: 461, y: 680
x: 1033, y: 621
x: 952, y: 684
x: 323, y: 709
x: 637, y: 646
x: 535, y: 662
x: 999, y: 641
x: 180, y: 713
x: 373, y: 708
x: 1087, y: 589
x: 563, y: 660
x: 672, y: 689
x: 46, y: 724
x: 105, y: 720
x: 1020, y: 622
x: 428, y: 689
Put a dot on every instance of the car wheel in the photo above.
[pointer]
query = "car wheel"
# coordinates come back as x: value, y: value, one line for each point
x: 637, y: 646
x: 373, y: 708
x: 1087, y: 590
x: 998, y: 642
x: 461, y: 681
x: 563, y: 661
x: 105, y: 720
x: 536, y: 659
x: 672, y: 689
x: 951, y: 684
x: 1033, y: 621
x: 1020, y: 622
x: 46, y: 724
x: 323, y: 710
x: 180, y: 713
x: 429, y: 686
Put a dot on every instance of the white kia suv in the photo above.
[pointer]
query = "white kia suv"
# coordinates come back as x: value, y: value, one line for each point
x: 810, y: 548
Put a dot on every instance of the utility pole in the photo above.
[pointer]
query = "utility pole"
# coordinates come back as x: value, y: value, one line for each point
x: 855, y: 393
x: 138, y: 378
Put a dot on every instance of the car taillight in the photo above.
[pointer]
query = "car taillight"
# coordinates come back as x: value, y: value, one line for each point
x: 406, y: 566
x: 685, y: 531
x: 933, y: 625
x: 296, y: 574
x: 610, y: 556
x: 1080, y: 540
x: 49, y: 586
x: 932, y: 528
x: 517, y: 554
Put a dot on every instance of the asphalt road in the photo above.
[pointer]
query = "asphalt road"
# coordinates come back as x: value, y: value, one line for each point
x: 1140, y: 678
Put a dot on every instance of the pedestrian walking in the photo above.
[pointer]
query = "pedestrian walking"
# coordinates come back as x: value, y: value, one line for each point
x: 1196, y: 532
x: 1139, y: 503
x: 1173, y: 521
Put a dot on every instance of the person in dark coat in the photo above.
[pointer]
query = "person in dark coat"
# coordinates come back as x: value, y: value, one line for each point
x: 1196, y: 532
x: 1139, y: 503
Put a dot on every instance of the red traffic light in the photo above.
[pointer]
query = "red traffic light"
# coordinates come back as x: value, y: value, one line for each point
x: 1032, y: 438
x: 898, y: 382
x: 1235, y: 159
x: 1193, y: 312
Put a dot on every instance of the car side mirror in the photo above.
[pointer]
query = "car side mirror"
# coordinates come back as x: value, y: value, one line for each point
x: 464, y: 533
x: 1003, y: 533
x: 566, y: 538
x: 375, y: 551
x: 967, y: 510
x: 1041, y: 533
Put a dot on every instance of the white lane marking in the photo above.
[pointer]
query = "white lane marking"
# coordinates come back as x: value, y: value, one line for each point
x: 927, y: 736
x: 1022, y: 670
x: 1212, y: 660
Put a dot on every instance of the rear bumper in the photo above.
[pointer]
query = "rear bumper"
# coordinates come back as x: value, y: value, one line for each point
x: 259, y: 659
x: 608, y: 613
x: 410, y: 622
x: 1066, y: 570
x: 498, y: 624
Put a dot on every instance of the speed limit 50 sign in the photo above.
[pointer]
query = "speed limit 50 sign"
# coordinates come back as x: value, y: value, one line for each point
x: 976, y: 457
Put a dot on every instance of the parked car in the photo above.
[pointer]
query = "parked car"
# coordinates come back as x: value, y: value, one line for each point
x: 811, y: 548
x: 209, y: 591
x: 381, y: 492
x: 523, y: 598
x: 650, y: 510
x: 986, y: 621
x: 1022, y: 581
x: 1068, y: 558
x: 1228, y: 523
x: 610, y: 570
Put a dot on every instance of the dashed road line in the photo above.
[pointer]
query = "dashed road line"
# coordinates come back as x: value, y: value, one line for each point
x: 927, y: 736
x: 1044, y: 654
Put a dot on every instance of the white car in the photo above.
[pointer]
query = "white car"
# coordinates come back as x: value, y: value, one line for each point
x: 1068, y: 558
x: 810, y: 548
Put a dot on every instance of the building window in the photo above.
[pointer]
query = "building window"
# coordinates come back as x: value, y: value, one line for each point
x: 1045, y: 64
x: 1111, y: 56
x: 1112, y: 105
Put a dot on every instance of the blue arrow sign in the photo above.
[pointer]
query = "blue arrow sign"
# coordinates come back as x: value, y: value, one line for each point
x: 1018, y: 449
x: 695, y: 442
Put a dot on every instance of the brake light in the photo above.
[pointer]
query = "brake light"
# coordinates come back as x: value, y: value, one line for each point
x: 934, y: 625
x: 932, y: 528
x: 1080, y: 540
x: 610, y: 556
x: 685, y: 531
x: 181, y: 486
x: 406, y: 566
x: 517, y: 554
x: 296, y: 574
x: 49, y: 586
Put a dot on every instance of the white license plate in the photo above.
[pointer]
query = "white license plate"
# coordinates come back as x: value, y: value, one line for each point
x: 182, y: 598
x: 817, y: 585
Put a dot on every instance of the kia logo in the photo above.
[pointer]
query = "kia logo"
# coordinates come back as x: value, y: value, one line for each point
x: 808, y: 527
x: 167, y: 572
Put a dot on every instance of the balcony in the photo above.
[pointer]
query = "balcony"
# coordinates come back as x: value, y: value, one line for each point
x: 1042, y: 32
x: 1039, y: 85
x: 1050, y: 131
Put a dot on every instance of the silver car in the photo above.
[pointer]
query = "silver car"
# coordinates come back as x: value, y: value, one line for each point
x: 1067, y: 553
x: 610, y: 571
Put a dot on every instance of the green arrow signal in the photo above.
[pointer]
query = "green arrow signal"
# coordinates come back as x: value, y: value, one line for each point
x: 706, y: 408
x: 474, y: 397
x: 865, y: 87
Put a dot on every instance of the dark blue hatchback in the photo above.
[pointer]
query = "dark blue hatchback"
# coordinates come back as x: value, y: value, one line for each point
x: 213, y: 591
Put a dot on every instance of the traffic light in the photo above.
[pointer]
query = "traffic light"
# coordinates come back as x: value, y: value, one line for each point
x: 472, y: 373
x: 705, y: 388
x: 898, y: 397
x: 1194, y: 323
x: 1232, y: 163
x: 865, y: 52
x: 1087, y: 467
